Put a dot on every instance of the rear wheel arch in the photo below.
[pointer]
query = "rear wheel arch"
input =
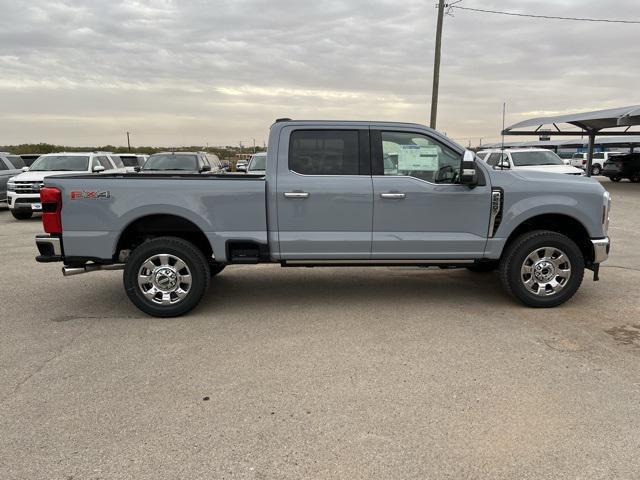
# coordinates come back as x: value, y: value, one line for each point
x: 148, y: 227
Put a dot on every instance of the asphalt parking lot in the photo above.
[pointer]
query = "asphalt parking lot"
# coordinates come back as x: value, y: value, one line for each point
x: 320, y: 373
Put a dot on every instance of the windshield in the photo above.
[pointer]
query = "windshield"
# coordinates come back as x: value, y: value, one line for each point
x: 258, y: 162
x: 129, y: 160
x: 535, y: 158
x: 60, y: 163
x: 171, y: 161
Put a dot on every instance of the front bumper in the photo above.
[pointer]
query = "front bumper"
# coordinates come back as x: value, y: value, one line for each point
x: 50, y: 248
x: 20, y: 201
x: 601, y: 248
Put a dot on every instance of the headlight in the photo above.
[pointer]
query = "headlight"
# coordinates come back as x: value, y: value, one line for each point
x: 606, y: 209
x: 11, y: 186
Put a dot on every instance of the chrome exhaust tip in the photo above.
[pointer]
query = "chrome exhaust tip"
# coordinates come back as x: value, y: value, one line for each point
x: 91, y: 267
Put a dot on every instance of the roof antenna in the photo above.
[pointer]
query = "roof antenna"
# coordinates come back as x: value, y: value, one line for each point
x: 504, y: 112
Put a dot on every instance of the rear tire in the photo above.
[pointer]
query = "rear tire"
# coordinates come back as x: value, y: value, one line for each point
x: 166, y: 277
x: 615, y: 179
x: 22, y: 214
x: 595, y: 170
x: 542, y: 269
x: 635, y: 178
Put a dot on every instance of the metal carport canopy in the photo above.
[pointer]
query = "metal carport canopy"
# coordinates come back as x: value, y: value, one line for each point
x: 589, y: 123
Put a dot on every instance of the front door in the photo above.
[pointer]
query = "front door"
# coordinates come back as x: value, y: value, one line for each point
x: 324, y: 194
x: 420, y: 209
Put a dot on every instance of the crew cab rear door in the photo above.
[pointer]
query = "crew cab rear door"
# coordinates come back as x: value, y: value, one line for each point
x: 420, y: 209
x: 324, y: 192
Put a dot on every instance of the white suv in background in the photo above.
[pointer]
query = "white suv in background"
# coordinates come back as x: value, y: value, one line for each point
x: 536, y: 159
x: 23, y: 190
x: 579, y: 160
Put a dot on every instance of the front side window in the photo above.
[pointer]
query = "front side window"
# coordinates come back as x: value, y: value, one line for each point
x: 494, y: 159
x: 3, y: 165
x: 129, y: 160
x: 324, y: 152
x: 117, y: 161
x: 16, y: 161
x: 535, y: 158
x: 258, y: 162
x: 416, y: 155
x: 61, y: 163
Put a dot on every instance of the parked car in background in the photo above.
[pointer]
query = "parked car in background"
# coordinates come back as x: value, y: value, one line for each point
x: 531, y: 159
x: 258, y: 164
x: 29, y: 158
x: 241, y: 165
x: 132, y: 160
x: 23, y: 190
x: 180, y: 162
x: 579, y: 160
x: 10, y: 165
x: 332, y: 199
x: 623, y: 166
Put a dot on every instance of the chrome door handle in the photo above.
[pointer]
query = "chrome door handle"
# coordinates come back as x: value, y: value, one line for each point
x: 296, y: 195
x: 393, y: 196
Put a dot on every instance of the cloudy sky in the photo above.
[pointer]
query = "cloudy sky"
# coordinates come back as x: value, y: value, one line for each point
x: 83, y: 72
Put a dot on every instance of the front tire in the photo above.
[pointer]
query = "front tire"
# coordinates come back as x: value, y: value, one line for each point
x: 166, y: 277
x: 635, y: 178
x: 542, y: 269
x: 22, y: 214
x: 595, y: 170
x: 615, y: 179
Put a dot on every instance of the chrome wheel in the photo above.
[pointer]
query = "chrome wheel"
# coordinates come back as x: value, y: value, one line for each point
x: 545, y: 271
x: 164, y: 279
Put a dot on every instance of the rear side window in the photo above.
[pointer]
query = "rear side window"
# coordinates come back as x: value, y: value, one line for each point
x: 324, y: 152
x: 3, y: 165
x: 16, y: 161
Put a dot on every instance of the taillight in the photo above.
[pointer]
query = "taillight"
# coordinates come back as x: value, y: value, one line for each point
x: 584, y: 162
x: 51, y: 200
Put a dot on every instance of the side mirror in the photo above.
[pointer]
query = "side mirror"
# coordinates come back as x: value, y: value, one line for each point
x: 137, y: 169
x: 98, y: 169
x: 241, y: 169
x: 502, y: 165
x: 25, y: 169
x: 205, y: 168
x: 468, y: 172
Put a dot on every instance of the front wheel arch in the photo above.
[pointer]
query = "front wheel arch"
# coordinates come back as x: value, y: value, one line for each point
x: 558, y: 223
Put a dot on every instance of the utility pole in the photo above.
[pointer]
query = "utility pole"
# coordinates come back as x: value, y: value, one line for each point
x: 254, y: 145
x: 436, y: 65
x: 128, y: 143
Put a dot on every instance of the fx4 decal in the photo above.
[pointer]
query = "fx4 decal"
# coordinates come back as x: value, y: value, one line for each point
x: 78, y: 194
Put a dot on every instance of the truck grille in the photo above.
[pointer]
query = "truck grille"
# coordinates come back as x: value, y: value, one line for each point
x: 28, y: 187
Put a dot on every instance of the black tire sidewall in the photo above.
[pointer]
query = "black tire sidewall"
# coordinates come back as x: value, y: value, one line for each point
x: 21, y: 214
x: 516, y: 255
x: 188, y: 253
x: 595, y: 170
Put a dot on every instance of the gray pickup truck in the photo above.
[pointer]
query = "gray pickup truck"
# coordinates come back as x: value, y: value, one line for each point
x: 334, y: 194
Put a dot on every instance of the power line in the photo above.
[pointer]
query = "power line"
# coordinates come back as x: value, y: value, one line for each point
x: 547, y: 17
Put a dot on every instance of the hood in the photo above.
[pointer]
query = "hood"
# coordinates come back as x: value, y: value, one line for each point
x: 566, y: 169
x: 548, y: 178
x: 39, y: 176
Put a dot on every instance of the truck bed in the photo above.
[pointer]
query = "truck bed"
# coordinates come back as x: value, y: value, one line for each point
x: 97, y: 209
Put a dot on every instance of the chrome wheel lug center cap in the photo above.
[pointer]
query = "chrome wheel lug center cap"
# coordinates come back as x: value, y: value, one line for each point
x: 544, y: 271
x: 165, y: 278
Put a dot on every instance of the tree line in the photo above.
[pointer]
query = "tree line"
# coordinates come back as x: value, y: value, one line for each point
x: 227, y: 152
